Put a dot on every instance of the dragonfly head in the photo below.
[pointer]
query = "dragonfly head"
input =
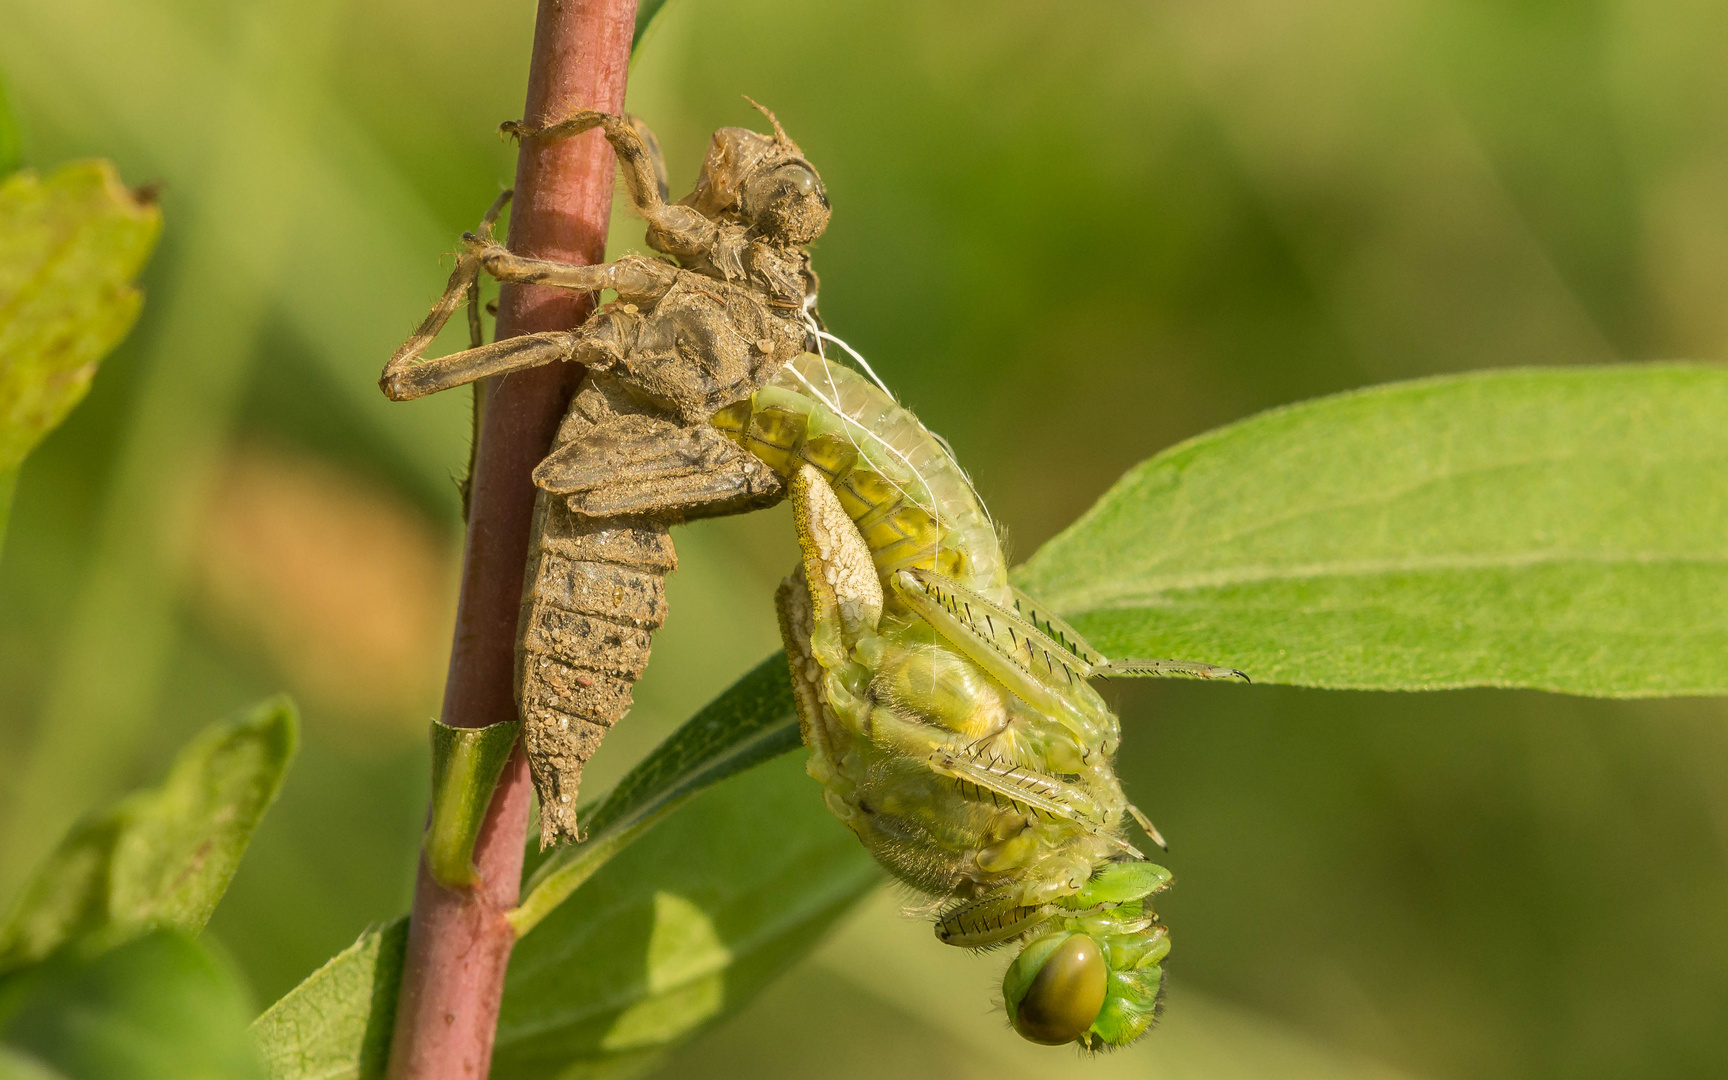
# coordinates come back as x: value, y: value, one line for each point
x: 1095, y: 978
x: 764, y: 181
x: 1055, y: 989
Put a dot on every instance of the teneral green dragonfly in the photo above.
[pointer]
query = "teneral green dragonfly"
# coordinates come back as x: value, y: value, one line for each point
x: 948, y: 715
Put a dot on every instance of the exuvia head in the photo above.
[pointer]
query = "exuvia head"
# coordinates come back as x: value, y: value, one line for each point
x: 763, y: 181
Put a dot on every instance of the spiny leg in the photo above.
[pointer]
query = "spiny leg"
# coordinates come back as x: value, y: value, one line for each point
x: 464, y: 283
x: 1147, y: 827
x: 1069, y: 638
x: 680, y: 228
x: 991, y: 920
x: 458, y: 369
x: 1036, y: 641
x: 599, y: 344
x: 1165, y: 668
x: 631, y: 276
x: 1033, y: 793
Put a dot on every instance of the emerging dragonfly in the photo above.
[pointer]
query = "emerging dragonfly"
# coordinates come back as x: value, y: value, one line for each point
x: 948, y: 715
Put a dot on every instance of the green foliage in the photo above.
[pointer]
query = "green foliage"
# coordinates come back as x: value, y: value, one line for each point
x: 645, y: 12
x: 161, y: 857
x: 1420, y: 535
x: 680, y: 929
x: 1245, y: 213
x: 70, y: 247
x: 1534, y: 528
x: 748, y: 724
x: 158, y: 1008
x: 336, y: 1025
x: 671, y: 930
x: 11, y: 143
x: 465, y: 767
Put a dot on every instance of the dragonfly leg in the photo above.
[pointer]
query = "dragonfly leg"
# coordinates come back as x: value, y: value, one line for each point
x: 1158, y: 668
x: 1146, y: 826
x: 463, y: 284
x: 633, y: 277
x: 991, y: 920
x: 404, y: 382
x: 672, y: 228
x: 601, y: 342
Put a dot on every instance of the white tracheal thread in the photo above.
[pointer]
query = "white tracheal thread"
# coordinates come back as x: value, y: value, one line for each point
x: 823, y: 335
x: 833, y: 406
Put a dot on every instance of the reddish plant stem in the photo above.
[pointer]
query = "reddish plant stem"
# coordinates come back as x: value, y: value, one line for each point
x: 458, y: 941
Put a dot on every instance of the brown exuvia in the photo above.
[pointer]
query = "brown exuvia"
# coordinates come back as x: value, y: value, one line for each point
x: 687, y: 336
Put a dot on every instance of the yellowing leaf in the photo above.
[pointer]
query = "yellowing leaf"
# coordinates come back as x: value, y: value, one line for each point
x: 161, y: 857
x: 70, y: 246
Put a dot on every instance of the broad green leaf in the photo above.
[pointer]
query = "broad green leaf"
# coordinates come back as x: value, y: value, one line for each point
x: 336, y: 1025
x: 645, y: 12
x: 161, y: 857
x: 748, y: 724
x: 1562, y: 529
x: 680, y: 929
x: 466, y: 763
x: 12, y: 146
x: 715, y: 876
x: 70, y: 246
x: 158, y: 1008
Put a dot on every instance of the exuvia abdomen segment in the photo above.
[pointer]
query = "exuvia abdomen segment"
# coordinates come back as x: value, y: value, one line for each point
x: 593, y: 595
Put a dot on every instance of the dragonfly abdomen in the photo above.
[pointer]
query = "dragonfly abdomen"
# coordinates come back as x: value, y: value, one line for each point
x: 593, y: 596
x: 912, y: 504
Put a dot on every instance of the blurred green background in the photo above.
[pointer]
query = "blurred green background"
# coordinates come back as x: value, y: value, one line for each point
x: 1069, y: 235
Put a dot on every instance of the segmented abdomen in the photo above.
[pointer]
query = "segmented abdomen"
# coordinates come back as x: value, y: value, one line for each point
x: 593, y: 595
x: 912, y: 503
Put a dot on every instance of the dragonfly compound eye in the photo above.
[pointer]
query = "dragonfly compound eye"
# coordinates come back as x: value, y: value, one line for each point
x: 1061, y: 996
x: 795, y: 180
x: 787, y: 203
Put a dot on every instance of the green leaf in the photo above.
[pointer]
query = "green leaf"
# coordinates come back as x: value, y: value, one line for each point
x: 160, y: 857
x: 680, y: 929
x: 70, y: 246
x: 671, y: 929
x: 158, y: 1007
x: 750, y: 723
x: 1562, y: 529
x: 12, y: 143
x: 645, y: 12
x: 336, y: 1025
x: 466, y: 763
